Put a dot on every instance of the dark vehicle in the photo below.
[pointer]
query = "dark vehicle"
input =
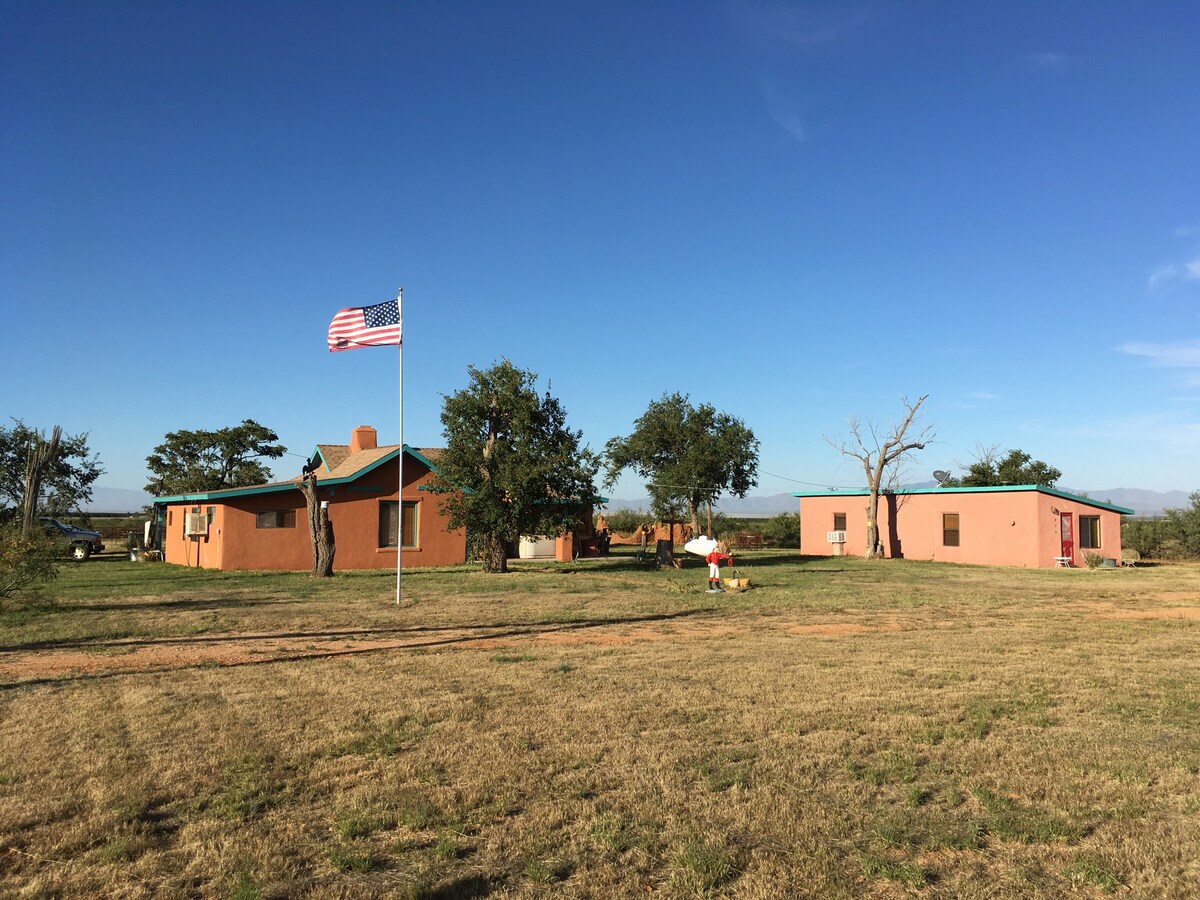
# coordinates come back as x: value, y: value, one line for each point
x: 81, y: 542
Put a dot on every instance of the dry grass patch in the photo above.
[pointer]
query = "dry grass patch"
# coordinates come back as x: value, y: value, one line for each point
x: 842, y: 729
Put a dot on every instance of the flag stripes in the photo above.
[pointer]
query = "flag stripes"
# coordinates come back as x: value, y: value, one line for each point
x: 365, y: 326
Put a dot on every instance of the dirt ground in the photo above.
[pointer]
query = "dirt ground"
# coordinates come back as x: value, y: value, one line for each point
x: 132, y: 655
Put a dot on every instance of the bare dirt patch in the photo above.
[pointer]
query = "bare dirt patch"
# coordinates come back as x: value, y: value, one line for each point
x: 130, y: 656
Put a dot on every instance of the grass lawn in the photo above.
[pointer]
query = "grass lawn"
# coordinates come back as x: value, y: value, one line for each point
x: 843, y: 729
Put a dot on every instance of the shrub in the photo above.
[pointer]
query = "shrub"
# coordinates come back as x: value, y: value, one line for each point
x: 1146, y: 536
x: 26, y: 561
x: 1093, y: 560
x: 623, y: 521
x: 783, y: 530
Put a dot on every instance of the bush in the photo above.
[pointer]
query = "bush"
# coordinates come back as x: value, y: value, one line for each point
x: 1093, y: 560
x: 623, y: 521
x: 1174, y: 536
x: 25, y: 562
x: 1183, y: 527
x: 783, y: 530
x: 1146, y: 536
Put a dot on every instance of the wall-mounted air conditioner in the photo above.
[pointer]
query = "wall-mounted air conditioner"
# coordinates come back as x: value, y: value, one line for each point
x: 835, y: 537
x: 195, y: 524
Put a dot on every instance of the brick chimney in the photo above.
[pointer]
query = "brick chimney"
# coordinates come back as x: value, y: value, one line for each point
x: 364, y: 437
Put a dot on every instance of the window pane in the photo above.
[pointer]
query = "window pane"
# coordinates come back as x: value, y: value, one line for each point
x: 388, y: 519
x: 839, y: 521
x: 1089, y: 532
x: 275, y: 518
x: 950, y: 529
x: 410, y: 523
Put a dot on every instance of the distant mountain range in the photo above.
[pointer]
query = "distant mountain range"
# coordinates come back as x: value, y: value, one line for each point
x: 1142, y: 502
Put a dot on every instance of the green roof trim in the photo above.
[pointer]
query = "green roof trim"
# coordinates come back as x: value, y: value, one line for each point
x: 1053, y: 492
x: 229, y: 493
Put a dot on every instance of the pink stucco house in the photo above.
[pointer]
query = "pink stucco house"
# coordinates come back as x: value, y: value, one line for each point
x: 1017, y: 525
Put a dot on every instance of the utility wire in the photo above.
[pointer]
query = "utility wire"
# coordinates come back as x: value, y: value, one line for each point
x: 721, y: 487
x: 832, y: 487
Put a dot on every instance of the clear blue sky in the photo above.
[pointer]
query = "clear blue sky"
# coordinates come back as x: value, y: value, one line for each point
x: 797, y: 212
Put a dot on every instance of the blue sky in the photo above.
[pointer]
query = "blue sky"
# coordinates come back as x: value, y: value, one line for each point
x: 796, y: 212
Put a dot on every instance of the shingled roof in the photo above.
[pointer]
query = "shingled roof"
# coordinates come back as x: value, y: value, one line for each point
x: 347, y: 468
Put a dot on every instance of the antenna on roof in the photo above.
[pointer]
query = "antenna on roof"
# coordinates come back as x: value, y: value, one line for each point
x: 940, y: 476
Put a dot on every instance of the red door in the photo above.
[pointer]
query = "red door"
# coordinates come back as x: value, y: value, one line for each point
x: 1068, y: 536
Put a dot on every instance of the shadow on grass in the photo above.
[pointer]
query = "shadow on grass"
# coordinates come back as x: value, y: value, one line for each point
x: 458, y: 634
x: 182, y: 604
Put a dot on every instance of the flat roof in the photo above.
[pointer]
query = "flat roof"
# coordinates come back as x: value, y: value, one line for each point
x: 1053, y: 492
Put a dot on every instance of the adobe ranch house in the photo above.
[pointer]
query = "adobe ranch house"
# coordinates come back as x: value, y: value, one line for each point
x: 1017, y: 525
x: 266, y: 527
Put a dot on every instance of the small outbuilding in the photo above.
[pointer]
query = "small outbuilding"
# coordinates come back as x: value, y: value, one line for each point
x: 1013, y: 525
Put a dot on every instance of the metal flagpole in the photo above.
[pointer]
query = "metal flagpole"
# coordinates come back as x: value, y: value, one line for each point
x: 400, y: 459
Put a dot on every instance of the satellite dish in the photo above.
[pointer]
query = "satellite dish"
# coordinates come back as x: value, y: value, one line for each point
x: 940, y: 476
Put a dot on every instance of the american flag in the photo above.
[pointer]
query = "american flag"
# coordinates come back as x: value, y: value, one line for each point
x: 365, y: 326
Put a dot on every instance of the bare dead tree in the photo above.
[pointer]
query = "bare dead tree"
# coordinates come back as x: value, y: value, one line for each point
x: 880, y: 454
x: 41, y: 455
x: 320, y: 529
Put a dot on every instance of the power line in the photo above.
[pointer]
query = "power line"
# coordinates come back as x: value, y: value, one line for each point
x: 721, y: 487
x: 832, y: 487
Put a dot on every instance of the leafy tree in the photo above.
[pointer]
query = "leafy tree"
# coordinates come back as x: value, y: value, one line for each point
x: 196, y: 461
x: 66, y: 480
x: 26, y: 560
x: 1182, y: 527
x: 1145, y: 536
x: 783, y: 530
x: 623, y: 521
x: 880, y: 455
x: 1018, y: 467
x: 690, y: 455
x: 511, y: 466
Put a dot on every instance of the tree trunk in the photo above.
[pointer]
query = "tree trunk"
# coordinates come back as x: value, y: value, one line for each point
x: 40, y: 456
x: 494, y: 555
x: 320, y: 529
x: 874, y: 545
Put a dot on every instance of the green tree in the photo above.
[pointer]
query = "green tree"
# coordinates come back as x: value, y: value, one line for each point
x: 511, y: 466
x: 1182, y: 527
x: 1146, y: 536
x: 690, y: 456
x: 623, y: 521
x: 195, y: 461
x: 1018, y: 467
x: 26, y: 560
x: 66, y: 481
x: 783, y: 530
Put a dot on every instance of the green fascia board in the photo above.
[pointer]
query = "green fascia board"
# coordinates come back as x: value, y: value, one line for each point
x: 1053, y: 492
x: 291, y: 485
